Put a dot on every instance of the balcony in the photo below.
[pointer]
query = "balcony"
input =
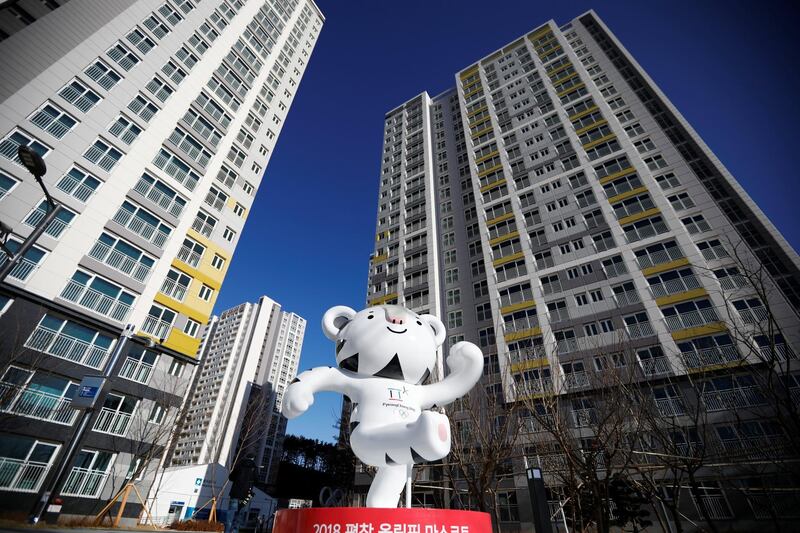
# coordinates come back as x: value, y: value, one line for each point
x: 754, y: 315
x: 112, y: 422
x: 716, y: 506
x: 147, y: 231
x: 659, y: 257
x: 136, y: 370
x: 156, y: 327
x: 670, y: 406
x: 22, y: 270
x: 730, y: 399
x: 576, y: 380
x: 690, y: 319
x: 189, y: 256
x: 21, y: 476
x: 733, y: 282
x: 56, y: 226
x: 639, y: 330
x: 536, y: 386
x: 173, y: 289
x: 75, y: 187
x: 84, y: 482
x: 566, y: 346
x: 655, y: 366
x: 626, y: 298
x: 95, y: 301
x: 675, y: 286
x: 215, y: 201
x: 202, y: 227
x: 170, y: 204
x: 65, y: 347
x: 119, y: 261
x: 521, y: 325
x: 714, y: 252
x: 716, y: 355
x: 584, y: 417
x: 36, y: 404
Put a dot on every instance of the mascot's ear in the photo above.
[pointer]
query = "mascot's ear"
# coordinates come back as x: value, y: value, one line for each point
x: 335, y: 319
x: 439, y: 331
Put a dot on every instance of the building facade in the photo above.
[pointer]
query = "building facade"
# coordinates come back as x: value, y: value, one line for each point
x: 250, y: 355
x: 556, y: 209
x: 156, y: 120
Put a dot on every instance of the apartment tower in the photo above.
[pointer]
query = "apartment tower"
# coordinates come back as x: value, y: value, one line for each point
x: 553, y: 204
x: 250, y: 355
x: 156, y: 120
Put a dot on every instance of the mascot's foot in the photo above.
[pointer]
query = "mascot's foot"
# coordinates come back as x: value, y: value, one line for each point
x: 431, y: 440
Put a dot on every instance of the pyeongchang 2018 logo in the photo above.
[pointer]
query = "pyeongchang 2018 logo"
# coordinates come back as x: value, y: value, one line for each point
x: 396, y: 394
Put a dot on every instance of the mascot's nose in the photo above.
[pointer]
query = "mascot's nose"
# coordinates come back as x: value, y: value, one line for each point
x: 394, y: 314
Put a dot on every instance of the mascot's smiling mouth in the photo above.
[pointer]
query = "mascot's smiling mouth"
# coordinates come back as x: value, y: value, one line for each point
x: 398, y: 332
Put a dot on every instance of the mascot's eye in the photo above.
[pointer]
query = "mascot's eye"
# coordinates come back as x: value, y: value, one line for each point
x: 419, y: 323
x: 370, y: 317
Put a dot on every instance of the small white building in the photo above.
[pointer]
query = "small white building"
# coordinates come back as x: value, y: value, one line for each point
x: 186, y: 492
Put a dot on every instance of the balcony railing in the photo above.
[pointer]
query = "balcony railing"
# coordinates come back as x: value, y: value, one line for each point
x: 65, y: 347
x: 576, y: 380
x: 36, y: 404
x: 119, y: 261
x: 733, y: 282
x: 202, y: 227
x: 639, y: 330
x: 173, y: 289
x: 735, y: 398
x: 626, y: 298
x: 716, y: 355
x: 95, y: 301
x: 113, y: 422
x: 136, y: 370
x: 778, y: 351
x: 566, y: 346
x: 536, y: 386
x: 189, y: 256
x: 754, y: 315
x: 84, y: 482
x: 215, y: 201
x: 73, y: 186
x: 158, y: 197
x: 674, y: 286
x: 716, y: 505
x: 21, y: 476
x: 584, y: 417
x: 156, y: 327
x: 659, y: 257
x: 714, y: 252
x: 56, y: 226
x: 521, y: 325
x: 144, y: 229
x: 690, y: 319
x: 670, y: 406
x: 22, y: 269
x: 655, y: 365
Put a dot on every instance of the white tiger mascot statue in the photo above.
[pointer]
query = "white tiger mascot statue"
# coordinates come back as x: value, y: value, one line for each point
x: 384, y: 354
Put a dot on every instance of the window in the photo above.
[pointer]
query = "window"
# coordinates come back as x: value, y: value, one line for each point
x: 176, y: 366
x: 159, y: 89
x: 103, y: 155
x: 248, y: 188
x: 157, y: 414
x: 57, y: 226
x: 6, y: 184
x: 10, y: 145
x: 206, y: 293
x: 655, y: 162
x: 229, y: 234
x: 190, y: 146
x: 454, y: 319
x: 218, y: 262
x: 89, y: 472
x: 143, y: 223
x: 122, y: 256
x: 154, y: 24
x: 142, y: 42
x: 79, y: 95
x: 696, y: 224
x: 239, y: 210
x: 78, y: 184
x: 681, y: 201
x: 204, y: 223
x: 453, y: 297
x: 667, y: 181
x: 27, y: 264
x: 122, y: 56
x: 175, y: 167
x: 97, y: 294
x: 104, y: 75
x: 143, y: 108
x: 124, y: 129
x: 53, y: 120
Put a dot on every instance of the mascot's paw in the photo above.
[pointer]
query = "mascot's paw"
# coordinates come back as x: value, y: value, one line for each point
x: 297, y: 399
x: 464, y: 355
x: 431, y: 439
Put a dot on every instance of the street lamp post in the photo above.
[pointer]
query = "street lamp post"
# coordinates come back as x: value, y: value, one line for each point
x: 35, y: 165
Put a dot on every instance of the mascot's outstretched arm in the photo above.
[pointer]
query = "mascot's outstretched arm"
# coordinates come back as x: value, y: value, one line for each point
x: 300, y: 393
x: 466, y: 366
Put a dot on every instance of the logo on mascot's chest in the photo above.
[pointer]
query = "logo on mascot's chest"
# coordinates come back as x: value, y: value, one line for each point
x: 396, y: 394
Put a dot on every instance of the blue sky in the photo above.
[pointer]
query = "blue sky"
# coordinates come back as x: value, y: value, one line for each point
x: 729, y: 67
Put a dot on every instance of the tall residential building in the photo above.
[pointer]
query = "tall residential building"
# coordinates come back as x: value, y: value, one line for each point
x: 553, y: 204
x: 156, y: 119
x: 250, y: 355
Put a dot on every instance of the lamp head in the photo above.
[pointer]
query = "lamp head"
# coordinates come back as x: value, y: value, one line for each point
x: 32, y: 161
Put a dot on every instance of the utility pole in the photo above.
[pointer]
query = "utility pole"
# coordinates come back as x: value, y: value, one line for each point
x: 36, y: 166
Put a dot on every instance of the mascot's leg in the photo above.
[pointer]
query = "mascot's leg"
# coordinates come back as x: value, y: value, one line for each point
x: 425, y: 439
x: 387, y: 486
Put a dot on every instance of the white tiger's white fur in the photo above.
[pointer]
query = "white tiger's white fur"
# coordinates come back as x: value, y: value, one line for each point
x: 387, y: 353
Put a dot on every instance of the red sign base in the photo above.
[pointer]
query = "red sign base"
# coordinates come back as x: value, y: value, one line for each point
x: 372, y: 520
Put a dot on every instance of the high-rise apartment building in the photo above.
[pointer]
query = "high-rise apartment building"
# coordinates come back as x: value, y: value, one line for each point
x: 156, y: 119
x: 553, y: 205
x: 250, y: 355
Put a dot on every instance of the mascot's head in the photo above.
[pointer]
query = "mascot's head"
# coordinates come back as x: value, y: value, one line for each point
x: 386, y: 341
